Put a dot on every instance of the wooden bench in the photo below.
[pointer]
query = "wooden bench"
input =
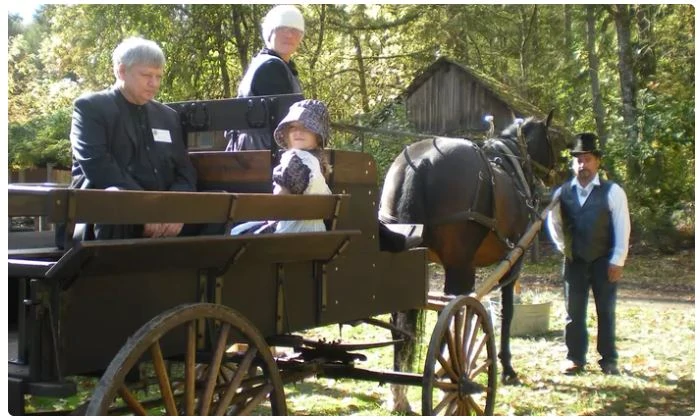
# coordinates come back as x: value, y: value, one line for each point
x: 139, y: 207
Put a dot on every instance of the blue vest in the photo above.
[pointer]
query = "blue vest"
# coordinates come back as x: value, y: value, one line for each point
x: 588, y: 230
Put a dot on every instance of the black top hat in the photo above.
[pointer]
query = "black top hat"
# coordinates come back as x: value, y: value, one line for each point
x: 586, y: 142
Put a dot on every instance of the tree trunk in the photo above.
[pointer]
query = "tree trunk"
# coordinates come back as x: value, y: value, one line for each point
x: 623, y: 21
x: 646, y: 59
x: 238, y: 18
x: 568, y: 34
x: 318, y: 50
x: 593, y: 68
x: 361, y: 73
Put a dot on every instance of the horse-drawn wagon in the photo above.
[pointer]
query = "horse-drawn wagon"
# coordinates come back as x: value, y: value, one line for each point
x: 196, y: 317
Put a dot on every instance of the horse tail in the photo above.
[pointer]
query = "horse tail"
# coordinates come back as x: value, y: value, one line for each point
x: 412, y: 205
x: 403, y: 194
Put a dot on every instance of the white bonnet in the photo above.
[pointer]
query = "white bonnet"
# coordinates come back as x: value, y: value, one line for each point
x: 283, y: 15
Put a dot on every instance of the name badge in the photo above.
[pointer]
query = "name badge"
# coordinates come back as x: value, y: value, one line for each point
x: 161, y: 135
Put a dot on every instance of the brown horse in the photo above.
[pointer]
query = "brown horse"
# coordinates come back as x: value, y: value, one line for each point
x: 474, y: 203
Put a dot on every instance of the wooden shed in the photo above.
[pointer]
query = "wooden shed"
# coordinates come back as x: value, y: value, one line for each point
x: 452, y: 99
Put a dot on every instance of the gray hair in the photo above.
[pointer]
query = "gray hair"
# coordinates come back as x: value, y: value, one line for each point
x: 136, y: 50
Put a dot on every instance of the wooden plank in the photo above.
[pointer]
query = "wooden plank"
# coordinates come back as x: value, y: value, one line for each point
x: 34, y: 201
x: 258, y: 207
x: 297, y: 247
x: 353, y: 167
x: 17, y: 268
x: 218, y: 167
x: 31, y: 239
x: 140, y: 207
x: 99, y: 257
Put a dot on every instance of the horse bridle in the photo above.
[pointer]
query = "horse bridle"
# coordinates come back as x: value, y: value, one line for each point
x: 546, y: 173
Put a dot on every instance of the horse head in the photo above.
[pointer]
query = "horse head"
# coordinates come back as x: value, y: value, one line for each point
x: 534, y: 133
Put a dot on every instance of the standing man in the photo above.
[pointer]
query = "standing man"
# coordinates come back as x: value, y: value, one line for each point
x: 122, y: 138
x: 271, y: 72
x: 591, y: 226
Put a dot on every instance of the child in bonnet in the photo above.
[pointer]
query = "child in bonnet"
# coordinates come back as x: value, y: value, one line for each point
x: 303, y: 168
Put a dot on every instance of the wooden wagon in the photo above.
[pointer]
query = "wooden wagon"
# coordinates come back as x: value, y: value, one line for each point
x: 197, y: 316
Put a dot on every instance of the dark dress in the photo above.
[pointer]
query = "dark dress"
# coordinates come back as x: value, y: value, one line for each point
x: 267, y: 74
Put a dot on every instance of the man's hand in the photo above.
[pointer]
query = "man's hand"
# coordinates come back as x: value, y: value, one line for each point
x: 162, y: 230
x: 614, y: 273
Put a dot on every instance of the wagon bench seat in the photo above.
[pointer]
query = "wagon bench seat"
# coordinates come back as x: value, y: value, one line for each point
x: 139, y: 207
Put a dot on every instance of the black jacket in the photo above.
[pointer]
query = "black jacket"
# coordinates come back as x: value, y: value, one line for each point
x: 106, y: 151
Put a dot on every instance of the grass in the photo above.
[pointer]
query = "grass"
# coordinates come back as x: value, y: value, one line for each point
x: 656, y: 345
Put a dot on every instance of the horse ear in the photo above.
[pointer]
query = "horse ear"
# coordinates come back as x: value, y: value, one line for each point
x: 549, y: 118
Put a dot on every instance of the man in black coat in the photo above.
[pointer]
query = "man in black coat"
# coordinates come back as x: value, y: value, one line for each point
x: 122, y: 139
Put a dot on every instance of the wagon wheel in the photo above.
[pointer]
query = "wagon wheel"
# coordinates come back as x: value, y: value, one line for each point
x: 460, y: 374
x: 236, y: 376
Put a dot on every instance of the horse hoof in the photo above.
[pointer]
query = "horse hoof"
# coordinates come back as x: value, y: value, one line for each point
x: 510, y: 379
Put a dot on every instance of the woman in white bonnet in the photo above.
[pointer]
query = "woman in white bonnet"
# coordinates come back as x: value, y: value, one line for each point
x: 271, y: 72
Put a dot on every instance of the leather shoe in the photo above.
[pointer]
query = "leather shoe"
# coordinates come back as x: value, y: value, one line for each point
x: 573, y: 369
x: 610, y: 369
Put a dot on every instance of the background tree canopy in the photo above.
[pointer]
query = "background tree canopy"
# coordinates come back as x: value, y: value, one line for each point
x: 623, y: 71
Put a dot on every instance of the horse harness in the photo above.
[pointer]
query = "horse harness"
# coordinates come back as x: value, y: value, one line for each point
x: 507, y: 155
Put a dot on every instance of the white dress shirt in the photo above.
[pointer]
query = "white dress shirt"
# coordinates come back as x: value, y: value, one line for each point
x: 617, y: 203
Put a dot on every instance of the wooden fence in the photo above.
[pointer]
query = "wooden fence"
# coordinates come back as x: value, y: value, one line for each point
x: 39, y: 175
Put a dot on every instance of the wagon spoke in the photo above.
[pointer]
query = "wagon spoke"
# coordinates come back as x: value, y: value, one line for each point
x: 131, y: 401
x: 163, y: 381
x: 462, y: 409
x: 214, y: 365
x: 478, y: 370
x: 446, y: 385
x: 449, y: 337
x: 461, y: 344
x: 447, y: 400
x: 459, y: 318
x: 259, y: 398
x: 190, y: 367
x: 196, y: 383
x: 468, y: 331
x: 474, y: 405
x: 236, y: 381
x: 475, y: 356
x: 448, y: 368
x: 471, y: 354
x: 452, y: 408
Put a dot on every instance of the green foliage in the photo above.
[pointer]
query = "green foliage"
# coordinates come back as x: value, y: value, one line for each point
x: 360, y: 58
x: 41, y: 141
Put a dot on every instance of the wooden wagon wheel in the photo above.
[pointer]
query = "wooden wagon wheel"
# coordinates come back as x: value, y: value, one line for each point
x: 460, y: 374
x: 236, y: 377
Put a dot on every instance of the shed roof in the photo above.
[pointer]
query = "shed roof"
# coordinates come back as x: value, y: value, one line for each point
x: 495, y: 87
x: 498, y: 89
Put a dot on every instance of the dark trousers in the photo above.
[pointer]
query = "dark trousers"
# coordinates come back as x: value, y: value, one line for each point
x: 579, y: 277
